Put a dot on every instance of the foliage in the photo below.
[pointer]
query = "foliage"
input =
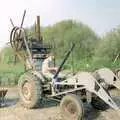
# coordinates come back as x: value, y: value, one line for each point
x: 10, y: 73
x: 6, y: 55
x: 63, y: 33
x: 108, y: 48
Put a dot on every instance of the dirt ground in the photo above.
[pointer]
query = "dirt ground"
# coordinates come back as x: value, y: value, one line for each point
x: 13, y: 111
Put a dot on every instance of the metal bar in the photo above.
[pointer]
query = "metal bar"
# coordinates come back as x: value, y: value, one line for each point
x: 54, y: 99
x: 22, y: 22
x: 28, y: 50
x: 20, y: 57
x: 68, y: 91
x: 64, y: 60
x: 82, y: 97
x: 62, y: 83
x: 23, y: 18
x: 12, y: 22
x: 38, y: 28
x: 35, y: 28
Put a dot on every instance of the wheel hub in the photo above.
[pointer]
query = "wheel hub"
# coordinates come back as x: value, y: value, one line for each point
x: 26, y: 91
x: 70, y: 109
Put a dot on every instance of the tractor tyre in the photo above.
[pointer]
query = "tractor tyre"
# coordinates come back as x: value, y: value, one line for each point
x: 30, y: 90
x: 71, y: 107
x: 99, y: 104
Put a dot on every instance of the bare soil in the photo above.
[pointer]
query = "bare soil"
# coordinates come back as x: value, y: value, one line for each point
x: 12, y: 110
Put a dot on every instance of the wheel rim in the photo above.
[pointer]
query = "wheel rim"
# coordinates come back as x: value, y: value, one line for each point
x: 26, y: 91
x: 71, y: 109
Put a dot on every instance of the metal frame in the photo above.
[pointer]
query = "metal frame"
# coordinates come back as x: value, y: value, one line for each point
x: 80, y: 81
x: 85, y: 81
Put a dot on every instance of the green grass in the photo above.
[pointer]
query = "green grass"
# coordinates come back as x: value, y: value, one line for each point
x: 9, y: 73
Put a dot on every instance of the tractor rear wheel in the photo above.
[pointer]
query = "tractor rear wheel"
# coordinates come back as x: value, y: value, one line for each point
x: 30, y: 90
x: 71, y: 107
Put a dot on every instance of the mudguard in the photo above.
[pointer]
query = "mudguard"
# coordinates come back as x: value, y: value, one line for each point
x: 108, y: 77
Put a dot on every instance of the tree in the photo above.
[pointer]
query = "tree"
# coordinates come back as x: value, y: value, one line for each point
x: 109, y: 48
x: 62, y: 33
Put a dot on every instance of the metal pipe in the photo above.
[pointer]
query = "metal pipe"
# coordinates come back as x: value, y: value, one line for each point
x: 12, y: 22
x: 38, y: 28
x: 64, y: 60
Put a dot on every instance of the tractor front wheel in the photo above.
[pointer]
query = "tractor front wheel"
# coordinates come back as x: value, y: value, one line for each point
x: 71, y: 107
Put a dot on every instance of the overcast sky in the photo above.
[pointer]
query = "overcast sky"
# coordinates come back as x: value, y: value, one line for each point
x: 100, y: 15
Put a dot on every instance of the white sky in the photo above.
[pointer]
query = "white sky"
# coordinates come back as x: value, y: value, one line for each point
x: 14, y: 9
x: 100, y: 15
